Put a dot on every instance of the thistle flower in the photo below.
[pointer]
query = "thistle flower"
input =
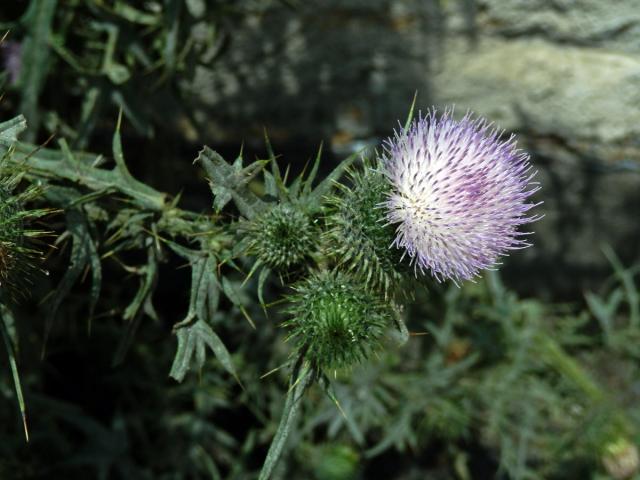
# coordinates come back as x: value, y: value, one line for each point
x: 459, y: 194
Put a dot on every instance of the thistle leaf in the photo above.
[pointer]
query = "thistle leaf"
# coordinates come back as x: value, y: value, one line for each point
x: 140, y: 304
x: 36, y: 58
x: 315, y: 197
x: 192, y: 339
x: 83, y: 253
x: 10, y: 130
x: 230, y: 182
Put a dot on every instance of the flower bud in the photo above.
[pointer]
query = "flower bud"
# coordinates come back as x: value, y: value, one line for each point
x: 282, y: 237
x: 359, y: 236
x: 336, y: 321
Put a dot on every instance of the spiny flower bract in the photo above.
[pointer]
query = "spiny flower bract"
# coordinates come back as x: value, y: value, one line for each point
x: 358, y: 237
x: 459, y: 194
x: 17, y: 257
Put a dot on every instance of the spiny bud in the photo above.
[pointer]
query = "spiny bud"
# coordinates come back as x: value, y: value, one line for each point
x: 336, y: 321
x: 359, y: 238
x: 282, y: 237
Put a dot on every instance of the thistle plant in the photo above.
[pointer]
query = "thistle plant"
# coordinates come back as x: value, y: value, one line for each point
x: 333, y: 262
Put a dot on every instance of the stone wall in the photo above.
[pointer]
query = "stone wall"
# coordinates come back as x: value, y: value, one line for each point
x: 563, y: 74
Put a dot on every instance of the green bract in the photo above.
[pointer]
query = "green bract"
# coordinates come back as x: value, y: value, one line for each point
x: 11, y: 231
x: 358, y: 236
x: 335, y: 320
x: 17, y: 257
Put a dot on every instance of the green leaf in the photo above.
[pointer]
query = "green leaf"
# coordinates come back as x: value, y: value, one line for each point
x: 275, y: 169
x: 626, y: 279
x: 229, y: 182
x: 192, y: 339
x: 125, y: 176
x: 140, y: 304
x: 35, y: 59
x: 10, y: 130
x: 172, y: 19
x: 605, y: 312
x: 262, y: 279
x: 83, y: 253
x: 410, y: 115
x: 323, y: 188
x: 314, y: 171
x: 83, y: 169
x: 356, y: 433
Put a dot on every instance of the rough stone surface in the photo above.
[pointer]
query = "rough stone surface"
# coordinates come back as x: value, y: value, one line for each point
x: 563, y: 74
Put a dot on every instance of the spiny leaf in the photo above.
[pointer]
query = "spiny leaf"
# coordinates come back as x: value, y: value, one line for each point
x: 626, y: 278
x: 83, y: 254
x: 140, y: 304
x: 10, y: 130
x: 275, y: 169
x: 230, y: 182
x: 315, y: 197
x: 262, y: 279
x: 410, y: 115
x: 35, y: 58
x: 203, y: 302
x: 325, y: 384
x: 192, y: 339
x: 126, y: 178
x: 314, y: 171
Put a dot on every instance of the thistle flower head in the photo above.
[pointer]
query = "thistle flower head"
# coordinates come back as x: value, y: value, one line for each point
x: 459, y: 194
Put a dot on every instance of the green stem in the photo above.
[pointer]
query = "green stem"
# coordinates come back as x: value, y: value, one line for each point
x: 569, y: 368
x: 301, y: 380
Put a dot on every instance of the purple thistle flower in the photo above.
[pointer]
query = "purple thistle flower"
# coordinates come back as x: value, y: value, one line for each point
x: 459, y: 194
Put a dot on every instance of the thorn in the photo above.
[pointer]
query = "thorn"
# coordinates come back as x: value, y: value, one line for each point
x: 273, y: 371
x: 119, y: 122
x: 24, y: 424
x: 246, y: 315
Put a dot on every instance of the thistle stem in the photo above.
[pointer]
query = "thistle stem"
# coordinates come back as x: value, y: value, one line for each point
x: 301, y: 380
x: 567, y: 366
